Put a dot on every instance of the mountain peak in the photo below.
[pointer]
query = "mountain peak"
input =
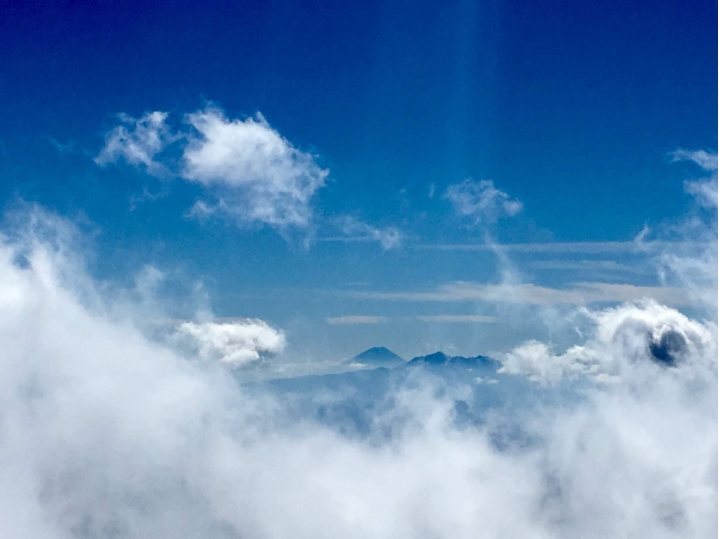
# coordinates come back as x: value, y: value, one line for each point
x: 377, y: 356
x: 441, y: 358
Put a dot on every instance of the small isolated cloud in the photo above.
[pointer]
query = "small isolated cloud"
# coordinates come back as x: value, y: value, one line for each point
x: 247, y: 169
x: 457, y: 318
x: 353, y: 319
x: 253, y: 172
x: 482, y: 201
x: 138, y: 141
x: 236, y: 342
x: 388, y: 237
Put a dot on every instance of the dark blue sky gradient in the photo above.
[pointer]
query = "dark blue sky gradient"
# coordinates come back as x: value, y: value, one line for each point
x: 571, y: 107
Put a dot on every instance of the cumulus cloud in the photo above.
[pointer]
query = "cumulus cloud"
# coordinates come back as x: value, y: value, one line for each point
x: 138, y: 141
x: 622, y: 336
x: 389, y: 237
x: 108, y: 433
x: 254, y: 173
x: 247, y: 169
x: 482, y: 201
x: 235, y: 343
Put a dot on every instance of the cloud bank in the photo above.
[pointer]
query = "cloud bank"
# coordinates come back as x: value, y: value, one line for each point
x: 106, y: 431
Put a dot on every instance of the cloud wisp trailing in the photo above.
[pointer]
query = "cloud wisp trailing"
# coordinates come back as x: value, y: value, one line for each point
x: 457, y: 318
x: 355, y: 319
x: 138, y: 141
x: 526, y: 293
x: 356, y: 230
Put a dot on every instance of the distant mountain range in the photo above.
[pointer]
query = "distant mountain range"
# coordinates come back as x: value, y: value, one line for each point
x: 350, y: 395
x: 382, y: 357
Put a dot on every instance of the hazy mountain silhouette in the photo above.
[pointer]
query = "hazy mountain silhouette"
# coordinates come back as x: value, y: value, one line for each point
x: 440, y: 358
x: 378, y: 356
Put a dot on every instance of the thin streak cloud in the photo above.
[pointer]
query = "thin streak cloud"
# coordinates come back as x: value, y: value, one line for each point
x: 353, y: 319
x: 457, y: 318
x: 581, y: 293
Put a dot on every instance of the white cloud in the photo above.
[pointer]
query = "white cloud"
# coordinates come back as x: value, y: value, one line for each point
x: 705, y: 191
x: 138, y: 141
x: 580, y: 294
x: 595, y: 266
x: 456, y: 318
x: 622, y: 337
x: 482, y: 201
x: 236, y: 343
x: 248, y: 170
x: 106, y: 433
x: 254, y: 173
x: 704, y: 159
x: 389, y: 237
x: 353, y: 319
x: 588, y: 247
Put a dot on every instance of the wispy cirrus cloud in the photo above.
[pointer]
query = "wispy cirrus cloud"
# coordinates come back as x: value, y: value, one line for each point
x: 581, y: 293
x: 706, y: 160
x: 355, y: 229
x: 583, y: 247
x: 704, y: 190
x: 604, y: 266
x: 482, y: 201
x: 138, y: 141
x: 355, y: 319
x: 456, y: 318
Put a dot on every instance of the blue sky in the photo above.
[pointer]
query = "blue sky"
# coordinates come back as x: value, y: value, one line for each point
x: 572, y: 111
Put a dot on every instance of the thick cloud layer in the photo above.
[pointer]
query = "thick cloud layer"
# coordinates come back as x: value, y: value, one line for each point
x: 106, y: 433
